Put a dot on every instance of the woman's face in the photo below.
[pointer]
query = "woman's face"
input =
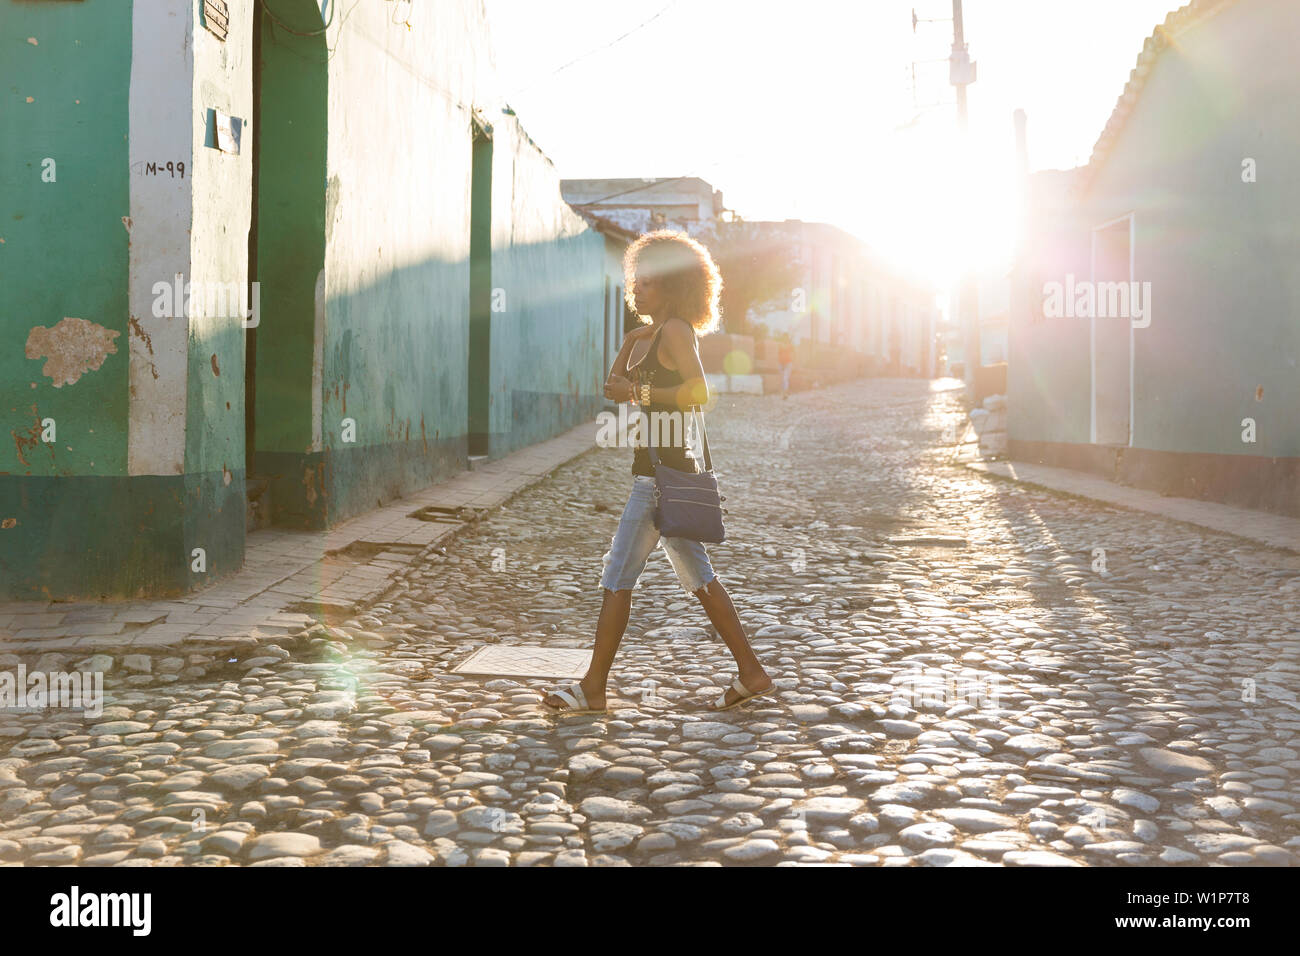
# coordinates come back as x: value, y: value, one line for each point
x: 648, y: 292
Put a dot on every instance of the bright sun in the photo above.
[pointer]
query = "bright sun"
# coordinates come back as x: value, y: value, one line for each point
x: 917, y: 213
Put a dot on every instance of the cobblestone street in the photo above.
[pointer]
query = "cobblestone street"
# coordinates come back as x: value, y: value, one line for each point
x: 968, y: 672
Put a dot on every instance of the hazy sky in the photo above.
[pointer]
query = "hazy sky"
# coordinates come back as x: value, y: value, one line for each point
x: 792, y: 109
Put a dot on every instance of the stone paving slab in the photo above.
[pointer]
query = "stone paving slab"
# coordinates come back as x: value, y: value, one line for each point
x: 516, y: 660
x: 285, y: 568
x: 1277, y: 531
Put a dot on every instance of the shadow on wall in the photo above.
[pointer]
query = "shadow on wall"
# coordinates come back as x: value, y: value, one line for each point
x: 395, y: 380
x: 548, y: 340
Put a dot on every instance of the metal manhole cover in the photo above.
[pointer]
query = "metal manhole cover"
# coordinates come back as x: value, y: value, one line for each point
x: 515, y: 660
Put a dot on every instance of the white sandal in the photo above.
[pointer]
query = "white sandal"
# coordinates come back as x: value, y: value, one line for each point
x: 745, y: 694
x: 574, y: 699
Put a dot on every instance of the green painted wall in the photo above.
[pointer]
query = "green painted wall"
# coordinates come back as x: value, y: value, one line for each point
x: 362, y: 242
x: 103, y: 512
x: 64, y: 254
x: 1218, y: 252
x: 293, y: 197
x: 64, y: 250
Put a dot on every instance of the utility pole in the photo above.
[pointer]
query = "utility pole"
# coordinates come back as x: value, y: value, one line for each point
x: 961, y: 73
x: 1021, y: 122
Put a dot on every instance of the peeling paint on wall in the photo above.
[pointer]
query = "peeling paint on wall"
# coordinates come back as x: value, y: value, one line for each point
x: 331, y: 205
x: 27, y: 440
x: 72, y: 348
x: 313, y: 480
x: 136, y: 329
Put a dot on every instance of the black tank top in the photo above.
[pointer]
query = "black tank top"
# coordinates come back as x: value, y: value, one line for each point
x: 673, y: 435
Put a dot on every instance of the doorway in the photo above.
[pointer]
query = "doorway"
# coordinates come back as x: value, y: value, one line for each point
x: 480, y: 293
x: 286, y: 257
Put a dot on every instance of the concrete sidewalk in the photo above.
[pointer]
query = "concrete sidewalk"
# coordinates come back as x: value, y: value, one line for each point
x: 1262, y: 527
x: 289, y: 573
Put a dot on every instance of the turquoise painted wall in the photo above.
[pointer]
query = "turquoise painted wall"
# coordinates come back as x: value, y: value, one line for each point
x: 396, y: 312
x: 86, y: 518
x: 548, y: 271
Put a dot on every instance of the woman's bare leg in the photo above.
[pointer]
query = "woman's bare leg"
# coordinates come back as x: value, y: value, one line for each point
x: 611, y: 624
x: 722, y: 613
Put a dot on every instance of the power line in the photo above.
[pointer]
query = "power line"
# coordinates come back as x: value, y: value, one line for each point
x: 619, y: 39
x: 634, y: 189
x: 287, y: 29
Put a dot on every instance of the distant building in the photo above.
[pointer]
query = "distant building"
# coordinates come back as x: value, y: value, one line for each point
x: 994, y: 317
x: 841, y: 297
x: 642, y: 205
x: 994, y: 311
x: 1155, y: 319
x: 847, y: 298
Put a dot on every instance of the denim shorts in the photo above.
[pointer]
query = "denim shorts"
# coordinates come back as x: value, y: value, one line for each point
x: 637, y: 536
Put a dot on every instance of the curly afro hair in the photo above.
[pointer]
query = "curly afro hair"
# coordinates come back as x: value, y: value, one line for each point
x: 694, y: 284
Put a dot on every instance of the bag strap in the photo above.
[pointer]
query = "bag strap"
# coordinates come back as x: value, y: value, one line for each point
x: 704, y: 437
x: 652, y: 351
x: 704, y: 440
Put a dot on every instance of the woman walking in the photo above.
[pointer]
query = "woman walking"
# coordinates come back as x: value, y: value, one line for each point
x: 673, y: 285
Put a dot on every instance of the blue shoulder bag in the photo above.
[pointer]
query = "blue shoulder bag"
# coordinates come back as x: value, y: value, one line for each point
x: 687, y: 505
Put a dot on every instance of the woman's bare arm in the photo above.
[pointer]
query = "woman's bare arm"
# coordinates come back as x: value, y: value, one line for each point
x: 619, y: 367
x: 619, y: 386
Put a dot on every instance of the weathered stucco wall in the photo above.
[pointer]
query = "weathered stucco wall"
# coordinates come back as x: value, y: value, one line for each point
x: 397, y: 276
x: 1219, y: 253
x: 548, y: 275
x: 396, y: 310
x: 63, y: 254
x: 64, y: 370
x: 221, y: 184
x: 362, y: 166
x: 1048, y: 377
x: 145, y: 389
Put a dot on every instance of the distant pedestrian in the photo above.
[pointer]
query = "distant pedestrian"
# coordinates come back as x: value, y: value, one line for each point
x: 673, y: 285
x: 785, y: 358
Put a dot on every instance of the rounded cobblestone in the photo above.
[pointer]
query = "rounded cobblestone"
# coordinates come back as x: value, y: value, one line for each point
x: 958, y: 681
